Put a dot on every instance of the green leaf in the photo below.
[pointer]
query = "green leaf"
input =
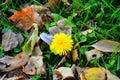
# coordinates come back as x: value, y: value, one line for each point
x: 29, y: 46
x: 17, y: 50
x: 83, y: 39
x: 1, y: 51
x: 56, y: 16
x: 92, y: 34
x: 67, y: 64
x: 83, y: 50
x: 1, y: 54
x: 36, y: 77
x: 98, y: 15
x: 112, y: 62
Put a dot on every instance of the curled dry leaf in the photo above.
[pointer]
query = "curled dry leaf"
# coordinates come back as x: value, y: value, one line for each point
x: 61, y: 28
x: 107, y: 46
x: 10, y: 63
x: 9, y: 40
x: 56, y: 77
x: 110, y: 76
x: 65, y: 72
x: 35, y: 66
x: 29, y: 68
x: 81, y: 73
x: 29, y: 46
x: 93, y: 54
x: 25, y: 18
x: 38, y: 62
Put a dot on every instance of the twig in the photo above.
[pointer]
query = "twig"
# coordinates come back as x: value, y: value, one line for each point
x: 2, y: 78
x: 61, y: 62
x: 6, y: 2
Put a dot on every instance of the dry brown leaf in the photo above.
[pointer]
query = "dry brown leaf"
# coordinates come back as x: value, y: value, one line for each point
x: 53, y: 30
x: 74, y: 55
x: 65, y: 72
x: 16, y: 78
x: 20, y: 39
x: 64, y: 28
x: 10, y: 63
x: 56, y: 77
x: 80, y: 72
x: 24, y: 19
x: 38, y: 62
x: 35, y: 66
x: 61, y: 28
x: 43, y: 16
x: 93, y: 54
x: 29, y: 68
x: 110, y: 76
x: 107, y: 46
x: 9, y: 40
x: 16, y: 72
x: 95, y: 73
x: 37, y: 51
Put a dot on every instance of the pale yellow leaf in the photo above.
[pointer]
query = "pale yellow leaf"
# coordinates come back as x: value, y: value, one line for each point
x: 95, y: 73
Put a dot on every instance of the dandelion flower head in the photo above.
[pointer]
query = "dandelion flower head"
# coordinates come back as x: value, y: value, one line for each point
x: 61, y: 44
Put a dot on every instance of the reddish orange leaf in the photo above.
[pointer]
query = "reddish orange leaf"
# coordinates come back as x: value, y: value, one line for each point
x: 23, y: 19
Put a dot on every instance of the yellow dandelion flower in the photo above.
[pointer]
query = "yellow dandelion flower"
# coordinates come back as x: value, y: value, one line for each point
x: 61, y: 44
